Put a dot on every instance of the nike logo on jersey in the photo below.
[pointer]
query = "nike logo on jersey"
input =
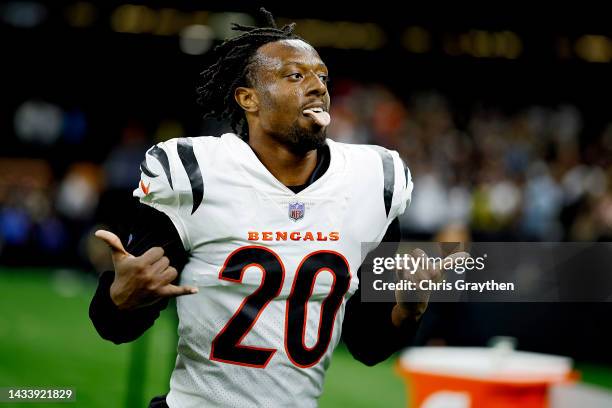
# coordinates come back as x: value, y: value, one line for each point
x: 292, y: 236
x: 145, y: 189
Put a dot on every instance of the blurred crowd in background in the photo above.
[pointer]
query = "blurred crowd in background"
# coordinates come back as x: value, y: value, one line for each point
x: 517, y: 176
x: 502, y: 119
x: 502, y: 123
x: 521, y: 175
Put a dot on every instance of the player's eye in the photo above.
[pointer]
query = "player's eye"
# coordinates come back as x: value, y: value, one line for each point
x: 324, y: 78
x: 296, y: 76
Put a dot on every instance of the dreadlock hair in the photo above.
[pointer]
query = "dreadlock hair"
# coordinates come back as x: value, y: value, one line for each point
x: 232, y: 69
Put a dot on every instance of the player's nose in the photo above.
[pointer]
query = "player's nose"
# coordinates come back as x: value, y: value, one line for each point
x: 315, y: 86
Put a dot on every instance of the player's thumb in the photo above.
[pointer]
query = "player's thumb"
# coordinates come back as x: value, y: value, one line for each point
x: 173, y: 290
x: 112, y: 241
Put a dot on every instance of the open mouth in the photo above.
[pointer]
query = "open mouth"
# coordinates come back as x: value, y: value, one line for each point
x: 316, y: 110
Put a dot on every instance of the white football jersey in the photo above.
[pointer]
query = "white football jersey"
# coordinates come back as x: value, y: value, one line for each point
x: 274, y: 268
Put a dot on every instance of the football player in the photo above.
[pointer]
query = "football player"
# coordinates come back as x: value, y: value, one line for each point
x: 259, y: 233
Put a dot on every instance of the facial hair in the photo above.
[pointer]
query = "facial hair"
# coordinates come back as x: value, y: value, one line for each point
x: 301, y: 139
x: 297, y: 137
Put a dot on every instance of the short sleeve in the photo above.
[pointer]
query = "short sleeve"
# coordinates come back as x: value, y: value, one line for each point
x: 397, y: 183
x: 157, y: 187
x: 403, y: 187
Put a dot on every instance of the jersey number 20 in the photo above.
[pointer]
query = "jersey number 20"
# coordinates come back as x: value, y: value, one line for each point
x: 226, y: 346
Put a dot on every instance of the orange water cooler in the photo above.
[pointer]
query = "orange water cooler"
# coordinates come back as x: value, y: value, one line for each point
x: 455, y: 377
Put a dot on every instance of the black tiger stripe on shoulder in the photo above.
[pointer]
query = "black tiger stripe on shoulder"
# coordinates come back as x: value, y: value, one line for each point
x: 146, y: 170
x: 162, y: 157
x: 389, y: 176
x: 184, y: 148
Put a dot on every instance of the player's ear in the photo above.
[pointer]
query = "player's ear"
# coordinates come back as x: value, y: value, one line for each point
x: 247, y: 99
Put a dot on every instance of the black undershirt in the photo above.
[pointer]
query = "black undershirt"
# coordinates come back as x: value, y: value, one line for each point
x: 367, y: 329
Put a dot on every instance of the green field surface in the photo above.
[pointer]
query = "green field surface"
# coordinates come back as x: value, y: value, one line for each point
x: 47, y: 340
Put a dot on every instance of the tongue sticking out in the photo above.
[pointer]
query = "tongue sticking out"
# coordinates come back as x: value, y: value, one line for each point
x: 320, y: 116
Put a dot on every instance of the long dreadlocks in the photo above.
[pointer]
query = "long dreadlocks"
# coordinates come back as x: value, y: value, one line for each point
x: 233, y: 68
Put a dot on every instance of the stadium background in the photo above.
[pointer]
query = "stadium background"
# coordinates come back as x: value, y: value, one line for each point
x: 502, y: 115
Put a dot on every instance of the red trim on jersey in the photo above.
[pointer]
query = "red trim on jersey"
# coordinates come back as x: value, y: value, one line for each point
x: 306, y: 306
x: 312, y: 285
x: 246, y: 299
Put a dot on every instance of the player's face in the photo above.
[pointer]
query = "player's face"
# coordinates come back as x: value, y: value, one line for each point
x: 290, y: 79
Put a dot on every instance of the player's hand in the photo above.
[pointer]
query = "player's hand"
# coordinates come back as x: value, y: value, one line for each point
x: 141, y: 280
x: 411, y: 304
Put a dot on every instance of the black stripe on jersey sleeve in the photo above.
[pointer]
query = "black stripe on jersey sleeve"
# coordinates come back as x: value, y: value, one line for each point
x: 389, y: 176
x: 162, y: 157
x: 146, y: 170
x: 185, y: 152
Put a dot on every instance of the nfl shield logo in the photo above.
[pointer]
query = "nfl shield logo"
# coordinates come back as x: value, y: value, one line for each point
x: 296, y: 211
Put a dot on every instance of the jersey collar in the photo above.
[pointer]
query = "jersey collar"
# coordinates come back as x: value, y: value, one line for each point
x: 248, y: 160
